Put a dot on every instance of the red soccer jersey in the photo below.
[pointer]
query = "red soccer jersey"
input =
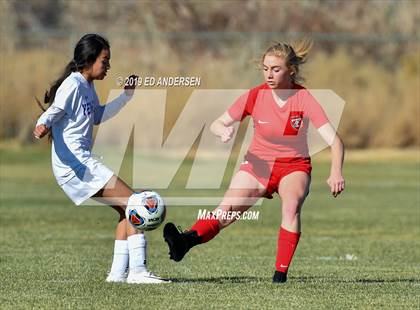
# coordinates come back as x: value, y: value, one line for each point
x: 279, y: 132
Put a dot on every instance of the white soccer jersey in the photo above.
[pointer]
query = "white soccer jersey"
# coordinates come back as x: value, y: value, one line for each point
x: 71, y: 117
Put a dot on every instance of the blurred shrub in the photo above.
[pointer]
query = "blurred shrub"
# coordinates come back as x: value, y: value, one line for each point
x: 382, y: 105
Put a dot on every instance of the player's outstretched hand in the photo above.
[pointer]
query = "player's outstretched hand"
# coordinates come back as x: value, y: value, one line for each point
x: 40, y: 131
x: 227, y: 134
x: 131, y: 84
x: 336, y: 183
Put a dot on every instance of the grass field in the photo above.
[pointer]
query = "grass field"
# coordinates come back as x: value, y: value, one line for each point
x: 361, y: 250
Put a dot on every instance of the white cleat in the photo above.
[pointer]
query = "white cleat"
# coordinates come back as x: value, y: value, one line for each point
x: 144, y: 277
x: 116, y: 277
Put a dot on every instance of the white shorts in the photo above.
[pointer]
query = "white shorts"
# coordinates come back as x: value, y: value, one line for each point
x: 88, y: 180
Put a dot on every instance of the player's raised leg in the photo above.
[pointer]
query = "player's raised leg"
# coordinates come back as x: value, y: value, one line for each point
x: 130, y: 246
x: 243, y: 192
x: 293, y: 189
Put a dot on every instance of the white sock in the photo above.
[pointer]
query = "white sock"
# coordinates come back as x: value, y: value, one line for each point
x: 137, y: 251
x: 120, y: 260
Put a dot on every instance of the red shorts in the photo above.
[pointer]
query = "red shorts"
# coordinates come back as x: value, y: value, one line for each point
x: 270, y: 175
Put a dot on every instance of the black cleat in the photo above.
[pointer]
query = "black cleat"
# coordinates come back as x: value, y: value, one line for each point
x: 279, y: 277
x: 179, y: 243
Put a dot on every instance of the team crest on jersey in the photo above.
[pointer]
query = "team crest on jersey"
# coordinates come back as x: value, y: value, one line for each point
x: 296, y: 121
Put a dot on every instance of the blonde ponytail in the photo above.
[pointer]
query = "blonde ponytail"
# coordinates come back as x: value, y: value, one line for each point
x: 302, y: 48
x: 295, y: 54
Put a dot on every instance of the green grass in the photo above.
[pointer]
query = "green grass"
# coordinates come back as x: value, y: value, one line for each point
x: 56, y: 255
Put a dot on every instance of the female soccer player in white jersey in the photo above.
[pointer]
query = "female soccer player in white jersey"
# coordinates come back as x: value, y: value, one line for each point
x: 73, y: 110
x: 277, y: 159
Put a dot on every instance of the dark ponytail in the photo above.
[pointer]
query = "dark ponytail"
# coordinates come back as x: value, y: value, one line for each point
x: 86, y: 51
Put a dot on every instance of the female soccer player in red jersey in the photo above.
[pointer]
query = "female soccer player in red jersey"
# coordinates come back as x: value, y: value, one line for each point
x: 277, y: 159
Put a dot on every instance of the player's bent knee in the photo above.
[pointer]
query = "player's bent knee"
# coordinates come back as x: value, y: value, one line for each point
x: 293, y: 200
x: 291, y: 208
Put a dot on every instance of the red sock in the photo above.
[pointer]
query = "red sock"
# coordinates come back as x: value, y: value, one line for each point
x: 286, y: 246
x: 206, y: 229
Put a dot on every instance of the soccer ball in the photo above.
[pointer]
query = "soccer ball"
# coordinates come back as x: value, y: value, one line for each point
x: 145, y: 210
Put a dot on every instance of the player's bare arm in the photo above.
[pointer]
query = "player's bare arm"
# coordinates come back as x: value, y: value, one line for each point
x: 336, y: 180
